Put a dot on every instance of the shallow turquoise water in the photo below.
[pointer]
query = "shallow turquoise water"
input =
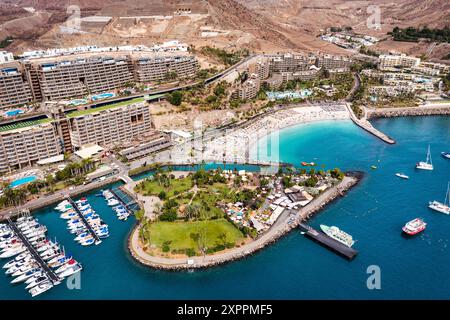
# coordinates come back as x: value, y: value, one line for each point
x: 295, y: 267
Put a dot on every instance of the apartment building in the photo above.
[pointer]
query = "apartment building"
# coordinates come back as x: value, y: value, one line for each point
x: 332, y: 62
x: 109, y: 125
x: 261, y: 68
x: 390, y: 62
x: 76, y: 77
x: 14, y: 87
x: 248, y: 90
x: 442, y: 68
x: 149, y: 143
x: 291, y: 62
x: 158, y: 68
x: 23, y: 145
x: 300, y: 75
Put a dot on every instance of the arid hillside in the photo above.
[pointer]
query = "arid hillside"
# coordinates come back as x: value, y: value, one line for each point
x: 261, y: 25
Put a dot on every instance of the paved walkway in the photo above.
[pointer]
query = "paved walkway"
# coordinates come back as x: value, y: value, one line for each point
x: 278, y: 230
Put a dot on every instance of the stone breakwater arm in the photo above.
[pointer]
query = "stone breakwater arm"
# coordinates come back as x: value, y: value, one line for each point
x: 426, y: 110
x: 366, y: 125
x: 279, y: 230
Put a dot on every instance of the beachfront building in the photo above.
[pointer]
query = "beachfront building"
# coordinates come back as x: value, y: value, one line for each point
x: 24, y: 144
x: 76, y: 77
x: 109, y: 125
x: 14, y: 87
x: 148, y: 68
x: 395, y: 61
x: 145, y: 145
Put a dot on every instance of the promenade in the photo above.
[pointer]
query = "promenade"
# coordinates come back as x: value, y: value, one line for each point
x: 280, y: 228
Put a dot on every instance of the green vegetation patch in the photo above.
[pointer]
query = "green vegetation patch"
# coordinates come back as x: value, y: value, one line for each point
x: 78, y: 113
x: 193, y: 235
x: 412, y: 34
x: 24, y: 124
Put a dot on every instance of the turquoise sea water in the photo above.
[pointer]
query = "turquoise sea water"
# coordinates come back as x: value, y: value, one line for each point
x: 295, y: 267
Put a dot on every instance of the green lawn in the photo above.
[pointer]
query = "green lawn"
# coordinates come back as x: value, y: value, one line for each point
x: 78, y: 113
x: 177, y: 186
x: 178, y: 233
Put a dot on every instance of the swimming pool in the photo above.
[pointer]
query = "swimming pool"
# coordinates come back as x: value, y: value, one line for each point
x: 13, y: 113
x: 103, y: 96
x: 22, y: 181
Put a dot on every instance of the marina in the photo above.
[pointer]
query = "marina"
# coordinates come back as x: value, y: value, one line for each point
x: 85, y: 222
x: 35, y: 261
x: 328, y: 242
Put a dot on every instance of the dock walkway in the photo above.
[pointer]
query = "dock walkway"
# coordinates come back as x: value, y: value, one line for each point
x: 52, y: 275
x: 85, y: 222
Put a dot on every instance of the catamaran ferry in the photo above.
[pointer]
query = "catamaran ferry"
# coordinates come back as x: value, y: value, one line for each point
x: 338, y: 235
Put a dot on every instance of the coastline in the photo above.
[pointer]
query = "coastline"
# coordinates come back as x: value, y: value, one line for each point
x: 427, y: 110
x: 274, y: 234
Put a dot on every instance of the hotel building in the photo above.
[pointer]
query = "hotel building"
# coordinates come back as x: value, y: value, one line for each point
x: 389, y: 62
x: 14, y: 87
x: 109, y: 125
x: 149, y: 143
x: 24, y: 144
x: 158, y: 68
x: 61, y: 79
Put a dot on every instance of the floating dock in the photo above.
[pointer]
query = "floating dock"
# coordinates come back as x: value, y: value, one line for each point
x: 85, y: 222
x: 52, y: 275
x: 127, y: 206
x: 328, y: 242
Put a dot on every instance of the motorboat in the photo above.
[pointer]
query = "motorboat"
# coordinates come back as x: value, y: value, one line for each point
x: 40, y: 288
x: 26, y: 275
x: 71, y: 270
x: 37, y: 281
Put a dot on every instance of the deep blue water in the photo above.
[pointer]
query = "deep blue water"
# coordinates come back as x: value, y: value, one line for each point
x: 295, y: 267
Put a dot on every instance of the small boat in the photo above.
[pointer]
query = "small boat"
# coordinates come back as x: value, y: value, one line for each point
x: 305, y: 164
x: 113, y: 202
x: 428, y: 164
x: 87, y: 242
x: 402, y: 175
x: 37, y: 281
x: 373, y: 167
x: 439, y: 206
x: 446, y: 155
x: 414, y: 227
x: 40, y: 288
x: 12, y: 253
x: 26, y: 275
x: 66, y: 265
x: 71, y: 270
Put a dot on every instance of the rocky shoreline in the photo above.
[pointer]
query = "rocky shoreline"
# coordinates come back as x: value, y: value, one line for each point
x: 408, y: 112
x: 351, y: 179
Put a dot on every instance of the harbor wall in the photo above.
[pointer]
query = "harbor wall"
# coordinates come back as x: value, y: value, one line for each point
x: 408, y: 112
x: 351, y: 180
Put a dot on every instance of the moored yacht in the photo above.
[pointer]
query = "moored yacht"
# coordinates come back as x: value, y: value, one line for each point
x: 428, y: 164
x: 402, y: 176
x: 442, y: 207
x: 338, y: 235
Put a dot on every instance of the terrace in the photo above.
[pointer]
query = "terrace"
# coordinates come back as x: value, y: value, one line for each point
x: 24, y: 124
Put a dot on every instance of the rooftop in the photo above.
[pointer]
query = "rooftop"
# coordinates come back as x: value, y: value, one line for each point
x: 23, y: 124
x: 79, y: 113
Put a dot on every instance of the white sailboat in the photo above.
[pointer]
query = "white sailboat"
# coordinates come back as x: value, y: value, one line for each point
x: 428, y: 165
x: 442, y: 207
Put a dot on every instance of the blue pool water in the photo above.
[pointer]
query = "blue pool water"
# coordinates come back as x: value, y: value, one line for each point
x: 22, y: 181
x: 295, y: 267
x: 103, y: 96
x: 13, y: 113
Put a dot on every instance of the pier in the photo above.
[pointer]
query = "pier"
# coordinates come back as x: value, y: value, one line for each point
x: 128, y: 205
x: 85, y: 222
x: 328, y: 242
x: 367, y: 126
x: 52, y: 275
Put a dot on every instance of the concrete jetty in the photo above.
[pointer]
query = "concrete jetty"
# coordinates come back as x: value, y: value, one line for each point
x: 367, y: 126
